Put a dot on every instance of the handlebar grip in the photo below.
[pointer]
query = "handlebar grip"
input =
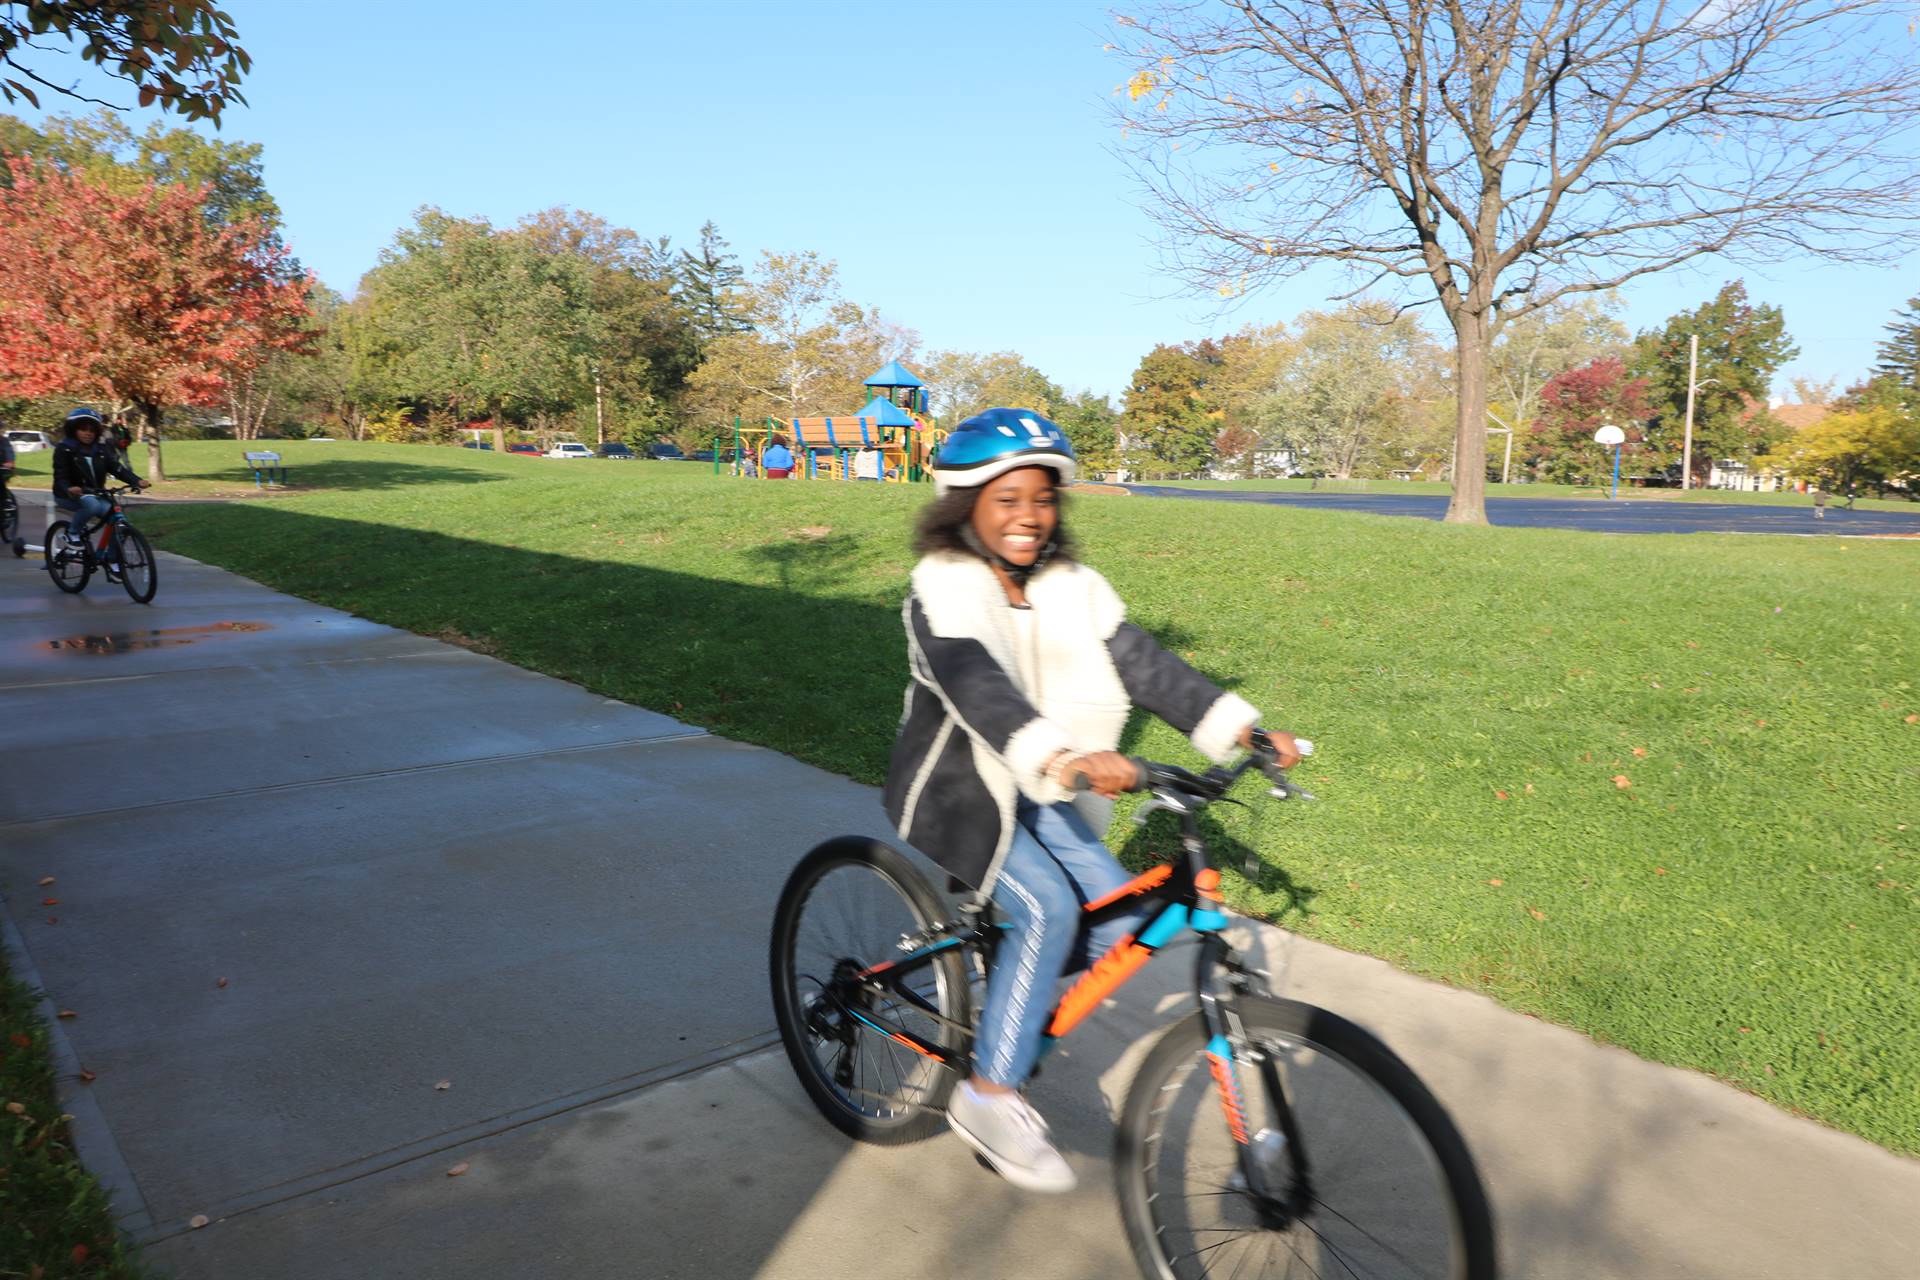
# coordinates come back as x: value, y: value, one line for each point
x: 1077, y: 780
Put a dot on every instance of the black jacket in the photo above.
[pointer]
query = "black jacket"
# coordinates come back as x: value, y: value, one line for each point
x: 88, y: 465
x: 983, y: 720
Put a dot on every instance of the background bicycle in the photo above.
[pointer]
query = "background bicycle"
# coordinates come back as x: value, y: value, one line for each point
x: 112, y: 545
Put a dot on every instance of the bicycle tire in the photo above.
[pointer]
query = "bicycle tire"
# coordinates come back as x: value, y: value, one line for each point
x: 1325, y: 1041
x: 135, y: 556
x: 62, y: 562
x: 922, y: 1112
x: 9, y: 516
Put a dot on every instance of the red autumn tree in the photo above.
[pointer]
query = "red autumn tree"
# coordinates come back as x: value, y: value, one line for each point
x: 135, y: 297
x: 1575, y: 404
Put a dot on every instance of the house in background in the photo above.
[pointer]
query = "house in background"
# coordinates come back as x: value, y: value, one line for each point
x: 1743, y: 476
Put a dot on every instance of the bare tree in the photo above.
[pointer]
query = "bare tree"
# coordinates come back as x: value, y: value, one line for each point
x: 1494, y: 156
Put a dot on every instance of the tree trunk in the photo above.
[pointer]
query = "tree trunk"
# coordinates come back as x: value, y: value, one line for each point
x: 1473, y: 352
x: 599, y: 412
x: 150, y: 429
x: 499, y: 431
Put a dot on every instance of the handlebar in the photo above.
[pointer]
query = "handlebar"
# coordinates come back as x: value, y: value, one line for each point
x: 1215, y: 782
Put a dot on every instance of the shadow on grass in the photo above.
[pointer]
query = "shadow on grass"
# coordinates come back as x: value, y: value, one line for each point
x: 349, y: 474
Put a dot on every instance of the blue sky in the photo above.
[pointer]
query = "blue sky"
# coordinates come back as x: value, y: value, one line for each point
x: 955, y: 159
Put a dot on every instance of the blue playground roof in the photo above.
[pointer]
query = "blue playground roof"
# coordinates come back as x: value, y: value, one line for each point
x: 894, y: 376
x: 885, y: 413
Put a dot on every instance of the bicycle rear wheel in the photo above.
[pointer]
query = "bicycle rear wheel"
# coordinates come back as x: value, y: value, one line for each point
x: 844, y: 910
x: 138, y: 573
x: 1388, y: 1187
x: 9, y: 516
x: 69, y: 567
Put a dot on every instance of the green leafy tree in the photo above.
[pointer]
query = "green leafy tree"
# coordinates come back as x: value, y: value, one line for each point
x: 713, y: 288
x: 808, y: 353
x: 1877, y: 445
x: 1354, y: 395
x: 1092, y: 426
x: 1541, y: 344
x: 1899, y: 355
x: 964, y: 383
x: 1170, y: 420
x: 179, y: 55
x: 1742, y: 345
x: 479, y: 321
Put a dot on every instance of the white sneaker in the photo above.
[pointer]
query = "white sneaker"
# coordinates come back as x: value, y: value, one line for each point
x: 1012, y: 1137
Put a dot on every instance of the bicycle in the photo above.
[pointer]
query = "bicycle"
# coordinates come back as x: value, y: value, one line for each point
x: 122, y: 550
x: 10, y: 519
x: 1260, y: 1122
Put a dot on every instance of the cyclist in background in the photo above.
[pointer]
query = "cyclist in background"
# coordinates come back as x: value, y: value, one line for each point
x: 82, y: 464
x: 1024, y: 669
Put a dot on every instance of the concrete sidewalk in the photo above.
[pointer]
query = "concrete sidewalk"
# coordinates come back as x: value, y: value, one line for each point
x: 412, y: 864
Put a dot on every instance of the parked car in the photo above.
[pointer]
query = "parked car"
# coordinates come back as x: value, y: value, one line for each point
x: 614, y: 449
x: 569, y: 449
x: 29, y: 441
x: 525, y: 450
x: 665, y: 452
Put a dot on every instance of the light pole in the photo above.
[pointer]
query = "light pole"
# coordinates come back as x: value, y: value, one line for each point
x: 1693, y: 385
x: 1506, y: 459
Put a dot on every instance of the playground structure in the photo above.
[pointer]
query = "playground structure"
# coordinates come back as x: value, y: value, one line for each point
x: 891, y: 438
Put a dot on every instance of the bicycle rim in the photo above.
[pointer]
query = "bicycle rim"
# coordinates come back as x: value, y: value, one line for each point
x: 67, y: 566
x: 1392, y: 1191
x: 849, y: 914
x: 138, y: 573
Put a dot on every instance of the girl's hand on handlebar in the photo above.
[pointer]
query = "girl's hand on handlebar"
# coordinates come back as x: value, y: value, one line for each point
x: 1284, y: 746
x: 1107, y: 772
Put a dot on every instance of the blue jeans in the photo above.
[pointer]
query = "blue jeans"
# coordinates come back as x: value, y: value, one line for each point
x: 82, y: 509
x: 1055, y: 866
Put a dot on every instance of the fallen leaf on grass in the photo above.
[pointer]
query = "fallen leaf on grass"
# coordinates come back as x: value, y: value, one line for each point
x: 67, y: 1013
x: 1913, y: 719
x: 1496, y: 883
x: 1536, y: 913
x: 457, y: 1170
x: 1622, y: 781
x: 1885, y: 884
x: 1760, y: 723
x: 1529, y: 788
x: 1640, y: 751
x: 198, y: 1221
x: 1501, y: 795
x: 44, y: 881
x: 444, y: 1084
x: 1745, y: 1030
x: 1659, y: 871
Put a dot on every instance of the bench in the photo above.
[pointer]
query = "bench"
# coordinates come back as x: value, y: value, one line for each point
x: 267, y: 469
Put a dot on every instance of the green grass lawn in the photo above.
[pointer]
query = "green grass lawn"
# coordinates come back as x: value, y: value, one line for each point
x: 1658, y: 788
x: 55, y: 1222
x: 1442, y: 489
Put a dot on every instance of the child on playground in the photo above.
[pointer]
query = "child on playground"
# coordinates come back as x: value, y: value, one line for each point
x: 1024, y: 669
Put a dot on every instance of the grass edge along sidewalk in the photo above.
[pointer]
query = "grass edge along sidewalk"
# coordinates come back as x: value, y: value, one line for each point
x: 1645, y: 787
x: 56, y: 1221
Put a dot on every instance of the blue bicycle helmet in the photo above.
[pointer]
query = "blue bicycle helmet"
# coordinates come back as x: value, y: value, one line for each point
x: 80, y: 415
x: 997, y: 441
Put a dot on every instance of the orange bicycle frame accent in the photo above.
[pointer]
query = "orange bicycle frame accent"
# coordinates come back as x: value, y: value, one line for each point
x: 1097, y: 983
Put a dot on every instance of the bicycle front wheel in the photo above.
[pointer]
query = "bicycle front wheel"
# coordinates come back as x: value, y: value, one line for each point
x: 9, y: 516
x: 1361, y: 1172
x: 69, y: 567
x: 844, y: 911
x: 138, y: 573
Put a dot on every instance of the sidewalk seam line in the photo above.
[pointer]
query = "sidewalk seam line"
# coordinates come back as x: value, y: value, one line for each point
x: 400, y: 771
x: 476, y: 1132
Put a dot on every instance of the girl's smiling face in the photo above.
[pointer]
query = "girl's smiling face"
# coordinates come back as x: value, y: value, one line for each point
x: 1016, y: 514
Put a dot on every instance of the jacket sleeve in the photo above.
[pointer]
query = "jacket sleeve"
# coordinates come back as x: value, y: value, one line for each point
x: 1157, y: 680
x: 978, y: 693
x: 62, y: 477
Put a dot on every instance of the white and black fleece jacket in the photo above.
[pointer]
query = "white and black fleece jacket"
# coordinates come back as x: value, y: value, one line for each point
x: 974, y: 737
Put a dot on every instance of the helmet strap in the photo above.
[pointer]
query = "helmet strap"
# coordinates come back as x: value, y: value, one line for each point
x: 1018, y: 572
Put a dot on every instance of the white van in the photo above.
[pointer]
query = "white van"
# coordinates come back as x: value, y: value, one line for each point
x: 569, y: 449
x: 28, y: 441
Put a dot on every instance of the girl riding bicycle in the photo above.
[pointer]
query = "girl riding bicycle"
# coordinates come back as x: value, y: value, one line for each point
x: 1024, y: 670
x: 81, y: 465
